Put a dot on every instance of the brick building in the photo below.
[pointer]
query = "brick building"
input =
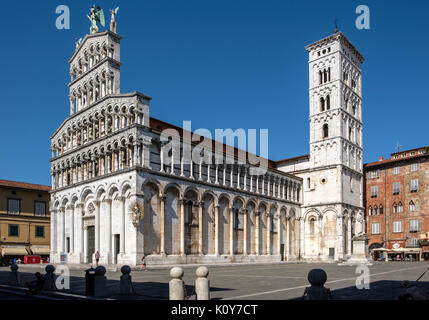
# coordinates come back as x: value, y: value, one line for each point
x: 397, y: 204
x: 24, y: 220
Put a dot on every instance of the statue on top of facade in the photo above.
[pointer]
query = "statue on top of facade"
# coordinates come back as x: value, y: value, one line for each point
x: 97, y: 15
x: 112, y: 19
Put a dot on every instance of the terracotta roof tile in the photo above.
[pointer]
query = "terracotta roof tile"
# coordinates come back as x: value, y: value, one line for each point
x: 24, y: 185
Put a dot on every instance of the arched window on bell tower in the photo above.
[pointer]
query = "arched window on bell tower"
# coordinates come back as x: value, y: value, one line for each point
x: 328, y: 102
x: 320, y: 76
x: 325, y: 130
x: 322, y: 104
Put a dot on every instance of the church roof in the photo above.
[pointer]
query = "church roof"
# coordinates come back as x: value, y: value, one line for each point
x: 160, y: 125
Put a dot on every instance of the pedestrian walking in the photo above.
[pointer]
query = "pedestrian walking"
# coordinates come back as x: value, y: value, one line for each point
x: 97, y: 257
x: 143, y: 265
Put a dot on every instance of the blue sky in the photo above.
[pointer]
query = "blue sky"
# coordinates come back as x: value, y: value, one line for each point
x: 220, y: 63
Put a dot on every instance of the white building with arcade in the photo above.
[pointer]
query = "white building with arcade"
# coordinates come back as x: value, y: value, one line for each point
x: 115, y: 189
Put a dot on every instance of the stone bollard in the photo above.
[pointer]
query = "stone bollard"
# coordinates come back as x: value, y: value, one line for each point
x: 202, y: 284
x: 50, y: 278
x: 177, y: 285
x: 14, y: 276
x: 317, y: 291
x: 100, y: 281
x: 125, y: 284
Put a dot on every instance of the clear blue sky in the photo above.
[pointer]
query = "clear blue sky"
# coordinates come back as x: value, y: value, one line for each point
x: 220, y: 63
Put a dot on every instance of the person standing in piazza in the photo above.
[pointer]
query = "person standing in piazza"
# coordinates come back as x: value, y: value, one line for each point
x: 97, y: 257
x: 143, y: 265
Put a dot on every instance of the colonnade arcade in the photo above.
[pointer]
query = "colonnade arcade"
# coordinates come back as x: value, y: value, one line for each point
x: 178, y: 220
x: 200, y: 222
x: 111, y: 156
x: 96, y: 87
x: 95, y: 125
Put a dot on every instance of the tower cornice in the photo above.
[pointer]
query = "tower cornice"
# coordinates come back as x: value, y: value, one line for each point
x: 339, y: 36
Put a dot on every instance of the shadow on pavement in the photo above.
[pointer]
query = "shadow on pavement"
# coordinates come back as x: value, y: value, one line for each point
x: 149, y: 290
x: 379, y: 290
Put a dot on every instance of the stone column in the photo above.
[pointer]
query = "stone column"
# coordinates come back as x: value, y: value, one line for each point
x: 216, y: 229
x: 301, y: 237
x: 231, y: 231
x: 78, y: 240
x: 108, y: 236
x: 107, y: 79
x: 208, y: 173
x: 71, y: 106
x: 279, y: 232
x: 54, y: 247
x: 268, y: 224
x: 161, y: 157
x: 238, y: 176
x: 182, y: 226
x: 97, y: 225
x: 162, y: 226
x: 200, y: 227
x: 244, y: 212
x: 172, y: 161
x: 349, y: 236
x: 257, y: 226
x: 287, y: 239
x: 224, y: 175
x: 63, y: 229
x: 72, y: 225
x: 52, y: 180
x: 122, y: 236
x: 339, y: 250
x: 182, y: 163
x: 231, y: 184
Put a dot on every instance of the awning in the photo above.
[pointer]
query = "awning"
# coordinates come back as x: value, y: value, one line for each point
x: 40, y: 251
x: 405, y: 250
x: 14, y: 251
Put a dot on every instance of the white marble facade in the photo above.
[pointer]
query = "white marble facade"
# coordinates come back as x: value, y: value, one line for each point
x: 107, y: 157
x: 108, y: 160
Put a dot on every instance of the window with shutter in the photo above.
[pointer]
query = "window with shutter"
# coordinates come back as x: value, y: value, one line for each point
x: 13, y: 206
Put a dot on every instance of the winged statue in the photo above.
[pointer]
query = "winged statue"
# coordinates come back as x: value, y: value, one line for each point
x: 97, y: 15
x: 112, y: 19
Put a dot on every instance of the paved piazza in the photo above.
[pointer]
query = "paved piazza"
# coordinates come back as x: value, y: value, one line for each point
x: 263, y: 281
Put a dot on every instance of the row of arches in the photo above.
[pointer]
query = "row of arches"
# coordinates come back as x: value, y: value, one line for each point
x: 85, y: 93
x: 177, y: 220
x: 212, y: 224
x: 90, y: 55
x: 96, y: 124
x: 105, y: 158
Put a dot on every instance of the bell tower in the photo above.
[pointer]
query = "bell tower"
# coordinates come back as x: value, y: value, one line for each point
x: 334, y: 181
x: 335, y: 95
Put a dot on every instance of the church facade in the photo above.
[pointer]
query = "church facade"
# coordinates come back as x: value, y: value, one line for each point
x: 117, y: 188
